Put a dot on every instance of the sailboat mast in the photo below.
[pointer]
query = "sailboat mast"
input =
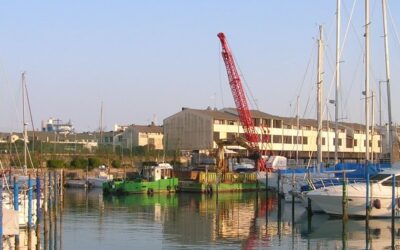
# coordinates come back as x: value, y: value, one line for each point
x: 337, y: 80
x: 319, y: 97
x: 366, y: 35
x: 298, y: 129
x: 385, y: 38
x: 23, y: 121
x: 101, y: 122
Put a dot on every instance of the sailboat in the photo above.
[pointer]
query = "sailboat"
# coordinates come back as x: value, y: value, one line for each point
x: 26, y: 206
x: 383, y: 186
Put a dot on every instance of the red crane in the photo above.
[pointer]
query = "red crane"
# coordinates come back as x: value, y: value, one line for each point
x: 241, y: 102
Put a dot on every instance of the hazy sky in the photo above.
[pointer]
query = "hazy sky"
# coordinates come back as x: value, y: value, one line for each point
x: 145, y: 60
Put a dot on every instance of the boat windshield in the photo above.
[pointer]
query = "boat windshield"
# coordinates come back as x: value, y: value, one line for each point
x: 379, y: 177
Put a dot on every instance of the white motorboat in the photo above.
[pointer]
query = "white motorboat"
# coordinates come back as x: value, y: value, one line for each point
x: 102, y: 177
x: 329, y: 199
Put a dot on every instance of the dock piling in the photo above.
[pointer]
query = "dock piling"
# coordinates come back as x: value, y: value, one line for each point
x: 1, y: 213
x: 29, y: 202
x: 367, y: 202
x: 393, y: 231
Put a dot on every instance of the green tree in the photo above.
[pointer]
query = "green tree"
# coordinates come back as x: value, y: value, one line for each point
x: 56, y: 163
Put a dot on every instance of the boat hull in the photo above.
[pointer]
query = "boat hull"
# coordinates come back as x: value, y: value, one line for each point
x: 141, y: 186
x: 330, y: 201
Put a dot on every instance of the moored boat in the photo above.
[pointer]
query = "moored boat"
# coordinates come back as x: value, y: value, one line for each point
x: 329, y: 199
x: 153, y: 179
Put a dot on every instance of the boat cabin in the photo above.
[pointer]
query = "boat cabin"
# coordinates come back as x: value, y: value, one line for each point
x: 158, y: 172
x: 385, y: 177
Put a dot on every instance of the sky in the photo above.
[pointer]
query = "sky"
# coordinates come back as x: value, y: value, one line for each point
x: 145, y: 60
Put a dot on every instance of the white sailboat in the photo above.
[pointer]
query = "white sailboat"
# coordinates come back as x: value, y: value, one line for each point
x: 380, y: 191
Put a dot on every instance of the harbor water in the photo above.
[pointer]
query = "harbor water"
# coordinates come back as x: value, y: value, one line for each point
x: 89, y: 220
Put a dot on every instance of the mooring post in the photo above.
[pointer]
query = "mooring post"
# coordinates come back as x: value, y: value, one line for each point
x: 50, y: 205
x: 29, y: 202
x: 266, y: 190
x: 367, y: 202
x: 279, y: 183
x: 293, y: 194
x: 38, y: 194
x: 55, y: 194
x: 16, y: 206
x: 62, y: 186
x: 309, y: 207
x: 1, y: 212
x: 16, y: 192
x: 344, y: 199
x: 393, y: 209
x: 38, y: 212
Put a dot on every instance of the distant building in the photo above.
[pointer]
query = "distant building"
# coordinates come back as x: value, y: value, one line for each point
x: 195, y: 129
x: 56, y: 125
x: 143, y: 135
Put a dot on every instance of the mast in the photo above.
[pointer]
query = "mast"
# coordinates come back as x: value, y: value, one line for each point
x: 385, y: 38
x: 319, y: 97
x: 337, y: 80
x: 366, y: 35
x: 25, y: 135
x: 298, y: 129
x: 101, y: 122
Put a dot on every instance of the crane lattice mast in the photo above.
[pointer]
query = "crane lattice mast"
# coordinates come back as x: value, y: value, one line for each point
x: 240, y: 99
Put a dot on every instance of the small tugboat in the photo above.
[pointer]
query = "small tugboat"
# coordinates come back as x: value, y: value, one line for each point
x: 152, y: 179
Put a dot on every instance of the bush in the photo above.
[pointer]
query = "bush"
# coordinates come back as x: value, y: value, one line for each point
x: 116, y: 163
x: 93, y: 163
x: 79, y: 163
x: 55, y: 164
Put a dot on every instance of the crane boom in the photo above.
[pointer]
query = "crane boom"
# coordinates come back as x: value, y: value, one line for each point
x: 240, y: 100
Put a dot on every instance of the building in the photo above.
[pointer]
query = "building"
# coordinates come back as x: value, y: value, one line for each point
x: 143, y: 135
x: 195, y: 129
x: 56, y: 125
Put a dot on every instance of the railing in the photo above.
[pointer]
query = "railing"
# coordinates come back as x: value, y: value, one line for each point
x: 211, y: 177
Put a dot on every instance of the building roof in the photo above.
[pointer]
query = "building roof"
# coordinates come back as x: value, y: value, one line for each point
x: 216, y: 114
x: 152, y: 128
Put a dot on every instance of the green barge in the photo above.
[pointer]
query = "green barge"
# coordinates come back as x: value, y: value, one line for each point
x: 210, y: 182
x: 153, y: 179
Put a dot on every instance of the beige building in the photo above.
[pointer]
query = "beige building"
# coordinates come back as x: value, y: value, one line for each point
x: 143, y: 135
x: 194, y: 129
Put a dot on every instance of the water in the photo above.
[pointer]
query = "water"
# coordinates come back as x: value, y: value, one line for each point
x: 194, y: 221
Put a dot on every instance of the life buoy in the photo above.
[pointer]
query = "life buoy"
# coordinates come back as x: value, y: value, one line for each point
x: 377, y: 204
x: 150, y: 191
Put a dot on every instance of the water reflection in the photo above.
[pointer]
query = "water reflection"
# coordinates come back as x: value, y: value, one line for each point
x: 87, y: 220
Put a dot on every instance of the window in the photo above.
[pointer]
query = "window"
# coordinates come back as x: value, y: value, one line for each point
x: 287, y: 139
x: 349, y: 142
x: 370, y: 143
x: 355, y: 143
x: 231, y: 122
x: 277, y: 139
x: 322, y: 141
x: 216, y: 136
x: 277, y: 124
x: 379, y: 143
x: 305, y: 140
x: 340, y: 141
